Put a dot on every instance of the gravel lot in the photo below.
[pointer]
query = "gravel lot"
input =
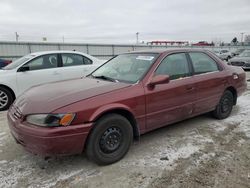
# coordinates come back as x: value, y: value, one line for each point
x: 199, y: 152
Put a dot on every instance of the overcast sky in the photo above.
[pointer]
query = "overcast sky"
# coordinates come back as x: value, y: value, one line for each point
x: 114, y: 21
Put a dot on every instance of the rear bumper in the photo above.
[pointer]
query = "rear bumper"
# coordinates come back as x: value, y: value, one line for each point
x: 242, y: 89
x: 50, y: 141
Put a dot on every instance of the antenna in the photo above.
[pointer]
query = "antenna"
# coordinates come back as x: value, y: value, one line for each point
x: 17, y: 36
x: 137, y: 38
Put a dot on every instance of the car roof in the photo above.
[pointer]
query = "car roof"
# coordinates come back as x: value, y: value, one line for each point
x: 160, y: 51
x: 55, y: 51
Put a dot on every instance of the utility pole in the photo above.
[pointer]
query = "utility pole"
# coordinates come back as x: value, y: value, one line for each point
x: 17, y: 36
x: 63, y: 39
x: 137, y: 38
x: 242, y: 34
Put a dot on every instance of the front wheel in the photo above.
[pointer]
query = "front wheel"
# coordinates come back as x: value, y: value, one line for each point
x: 6, y: 98
x: 225, y: 106
x: 109, y: 140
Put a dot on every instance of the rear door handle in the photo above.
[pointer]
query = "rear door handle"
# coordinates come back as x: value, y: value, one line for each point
x: 56, y: 73
x: 189, y: 88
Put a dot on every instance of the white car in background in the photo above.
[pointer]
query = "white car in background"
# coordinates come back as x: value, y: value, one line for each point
x: 42, y: 67
x: 223, y: 54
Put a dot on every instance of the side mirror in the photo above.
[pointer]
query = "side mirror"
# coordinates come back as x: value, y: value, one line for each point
x: 23, y: 69
x: 159, y: 79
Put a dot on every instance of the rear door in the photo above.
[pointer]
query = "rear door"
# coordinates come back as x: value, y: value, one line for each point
x: 209, y: 81
x: 75, y: 66
x: 43, y: 69
x: 171, y: 102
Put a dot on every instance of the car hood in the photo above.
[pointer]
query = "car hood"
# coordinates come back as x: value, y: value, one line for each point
x: 5, y: 73
x: 2, y: 71
x: 49, y: 97
x: 240, y: 59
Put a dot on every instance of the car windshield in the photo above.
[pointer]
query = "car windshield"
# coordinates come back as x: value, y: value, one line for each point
x: 128, y: 68
x: 245, y: 54
x: 18, y: 62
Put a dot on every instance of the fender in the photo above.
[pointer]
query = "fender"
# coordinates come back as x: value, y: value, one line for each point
x: 116, y: 107
x: 110, y: 107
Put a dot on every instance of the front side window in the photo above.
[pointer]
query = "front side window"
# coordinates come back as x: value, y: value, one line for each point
x: 175, y: 66
x: 202, y: 63
x: 126, y: 67
x: 42, y: 62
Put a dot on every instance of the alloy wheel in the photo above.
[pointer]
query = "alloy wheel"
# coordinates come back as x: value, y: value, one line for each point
x: 3, y: 99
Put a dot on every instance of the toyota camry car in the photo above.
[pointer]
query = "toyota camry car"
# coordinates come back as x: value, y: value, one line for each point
x: 42, y: 67
x: 130, y: 95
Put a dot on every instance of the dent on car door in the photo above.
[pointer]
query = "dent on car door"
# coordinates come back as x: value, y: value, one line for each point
x: 75, y: 65
x: 209, y: 82
x: 171, y: 102
x: 43, y: 69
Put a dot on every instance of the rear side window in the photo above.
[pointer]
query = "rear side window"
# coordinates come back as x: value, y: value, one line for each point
x: 174, y: 65
x: 75, y: 60
x: 202, y: 63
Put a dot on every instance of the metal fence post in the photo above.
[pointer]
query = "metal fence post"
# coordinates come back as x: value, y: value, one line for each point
x: 29, y: 48
x: 113, y: 50
x: 87, y: 47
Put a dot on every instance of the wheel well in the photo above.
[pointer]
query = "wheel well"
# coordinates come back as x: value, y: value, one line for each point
x: 128, y: 115
x: 234, y: 92
x: 12, y: 92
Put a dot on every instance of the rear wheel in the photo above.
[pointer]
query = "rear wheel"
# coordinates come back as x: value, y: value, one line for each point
x: 225, y: 106
x: 6, y: 98
x: 109, y: 140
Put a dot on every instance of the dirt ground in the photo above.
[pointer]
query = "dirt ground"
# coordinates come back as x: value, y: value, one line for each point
x: 199, y: 152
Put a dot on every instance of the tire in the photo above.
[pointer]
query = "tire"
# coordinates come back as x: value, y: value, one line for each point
x: 110, y: 139
x: 6, y: 98
x: 225, y: 106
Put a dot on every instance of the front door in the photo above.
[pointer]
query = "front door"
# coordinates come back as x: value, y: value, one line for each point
x: 43, y: 69
x: 171, y: 102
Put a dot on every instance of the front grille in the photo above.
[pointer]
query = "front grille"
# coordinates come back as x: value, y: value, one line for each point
x: 16, y: 113
x: 238, y: 63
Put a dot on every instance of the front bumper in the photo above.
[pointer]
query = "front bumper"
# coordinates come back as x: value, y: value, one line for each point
x: 46, y: 141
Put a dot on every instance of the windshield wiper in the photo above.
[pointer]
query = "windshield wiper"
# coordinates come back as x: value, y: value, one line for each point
x: 105, y: 78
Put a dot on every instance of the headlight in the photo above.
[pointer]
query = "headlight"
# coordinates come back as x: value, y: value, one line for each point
x: 50, y: 120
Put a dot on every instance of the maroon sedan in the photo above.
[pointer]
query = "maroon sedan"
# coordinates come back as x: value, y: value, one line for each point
x: 128, y: 96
